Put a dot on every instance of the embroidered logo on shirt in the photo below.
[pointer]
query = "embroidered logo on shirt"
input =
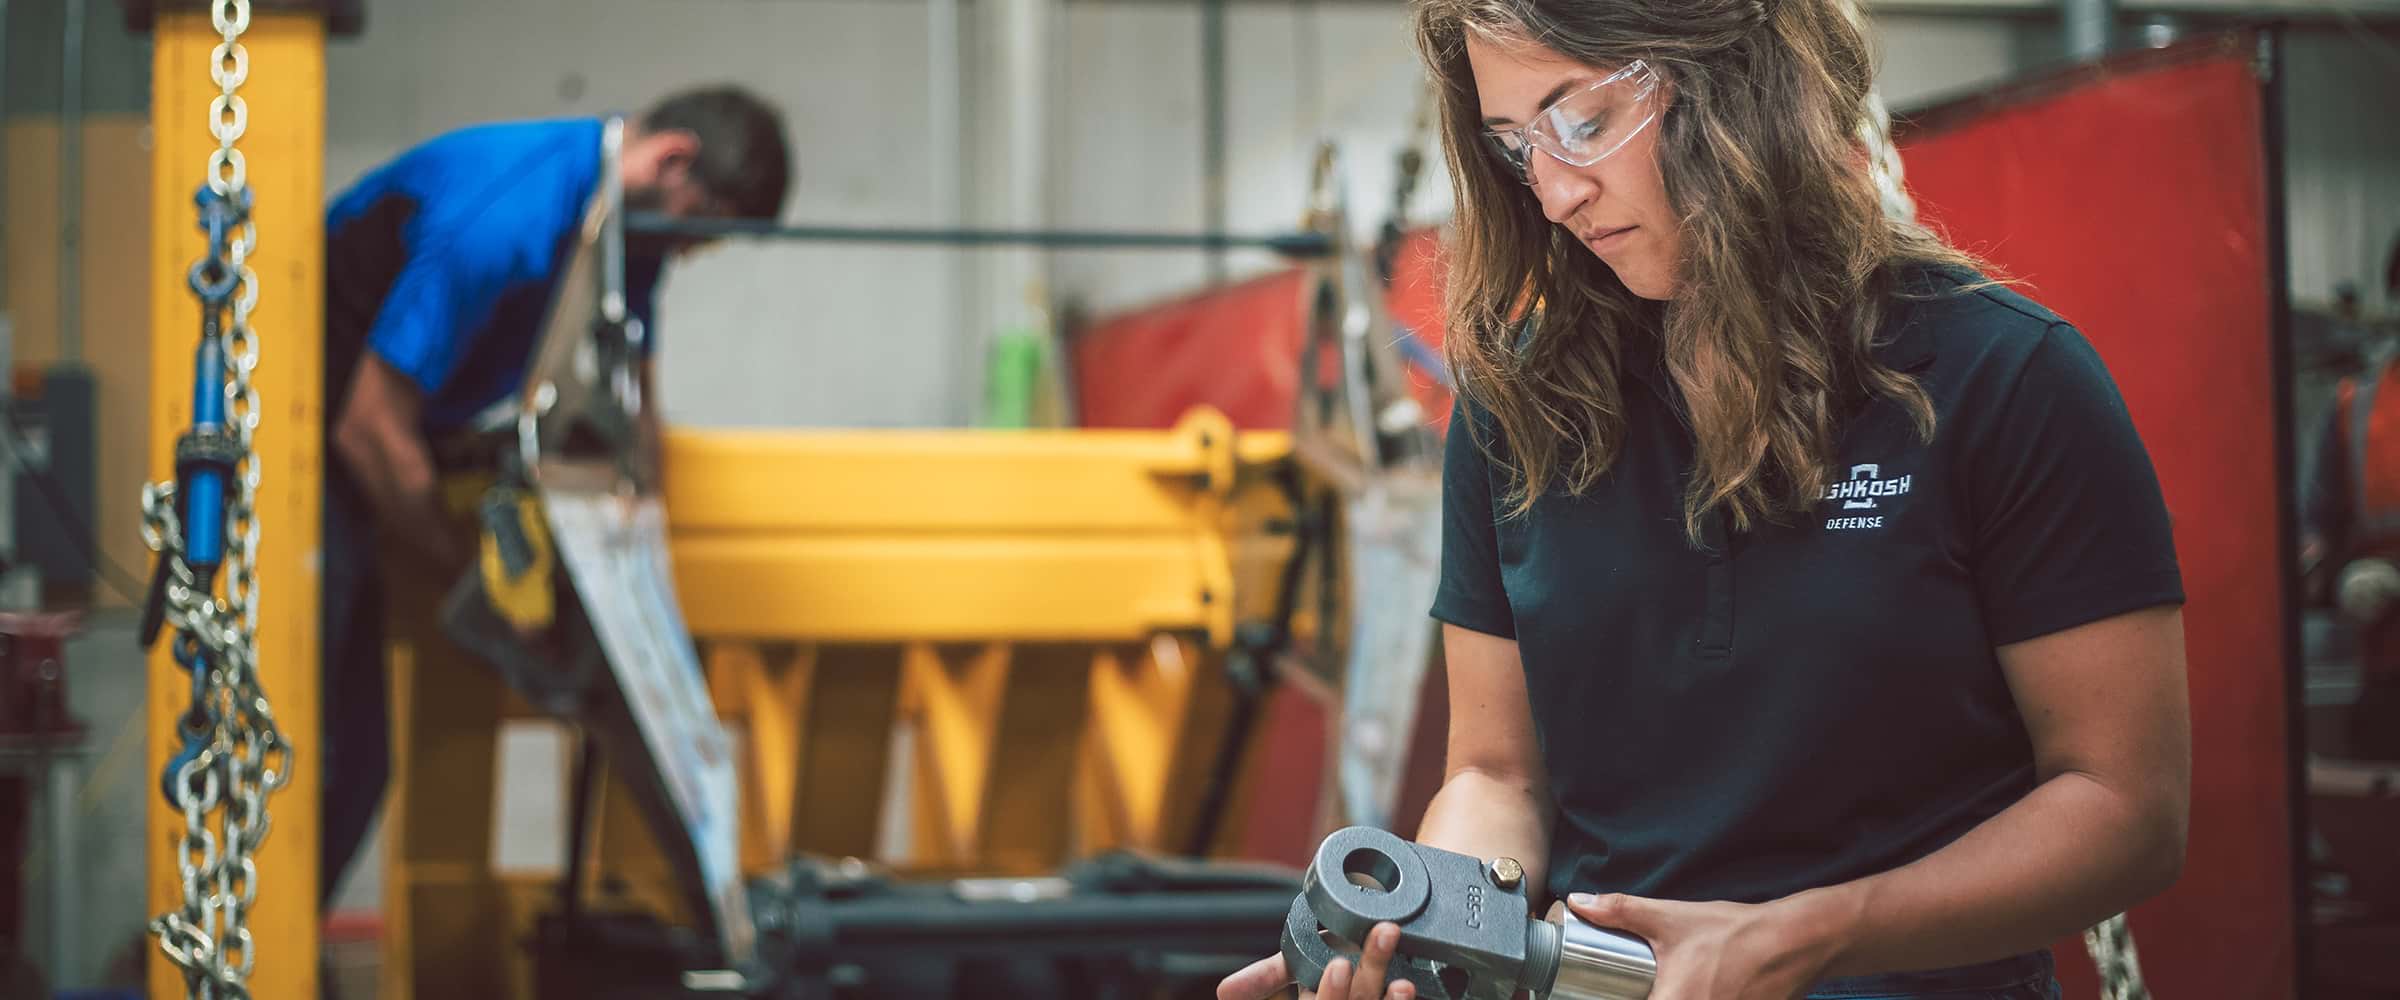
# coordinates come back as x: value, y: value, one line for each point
x: 1862, y: 491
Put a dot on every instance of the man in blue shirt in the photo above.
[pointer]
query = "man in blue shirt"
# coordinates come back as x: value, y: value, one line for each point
x: 439, y: 268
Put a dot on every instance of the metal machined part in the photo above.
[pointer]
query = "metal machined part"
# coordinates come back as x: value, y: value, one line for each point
x: 1598, y: 963
x: 1466, y: 927
x: 1308, y: 948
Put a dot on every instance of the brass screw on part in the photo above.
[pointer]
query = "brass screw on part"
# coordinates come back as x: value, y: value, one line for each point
x: 1506, y: 873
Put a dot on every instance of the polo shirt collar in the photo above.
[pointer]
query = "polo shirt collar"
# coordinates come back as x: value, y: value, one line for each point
x: 1904, y: 345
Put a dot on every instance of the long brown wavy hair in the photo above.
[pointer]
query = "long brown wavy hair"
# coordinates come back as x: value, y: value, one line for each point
x: 1788, y: 257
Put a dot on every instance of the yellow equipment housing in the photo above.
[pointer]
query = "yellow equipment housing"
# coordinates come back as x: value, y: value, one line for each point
x: 1043, y: 616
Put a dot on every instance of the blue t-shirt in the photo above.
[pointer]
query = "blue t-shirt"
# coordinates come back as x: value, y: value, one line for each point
x: 443, y: 261
x: 1813, y: 702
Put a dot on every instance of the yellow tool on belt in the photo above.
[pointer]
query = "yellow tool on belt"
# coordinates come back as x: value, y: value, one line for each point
x: 515, y: 557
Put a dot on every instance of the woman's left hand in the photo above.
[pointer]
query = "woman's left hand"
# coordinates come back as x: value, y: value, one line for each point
x: 1716, y: 951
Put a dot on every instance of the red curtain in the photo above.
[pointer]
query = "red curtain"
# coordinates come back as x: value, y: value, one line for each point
x: 1414, y: 302
x: 2133, y: 200
x: 1236, y: 348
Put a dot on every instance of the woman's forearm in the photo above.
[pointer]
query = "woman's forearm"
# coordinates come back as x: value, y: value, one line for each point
x: 1491, y: 816
x: 2063, y: 858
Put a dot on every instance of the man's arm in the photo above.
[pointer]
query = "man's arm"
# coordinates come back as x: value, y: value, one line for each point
x: 376, y: 438
x: 425, y: 328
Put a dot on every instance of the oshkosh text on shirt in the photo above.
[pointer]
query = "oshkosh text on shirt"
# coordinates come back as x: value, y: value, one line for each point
x: 1861, y: 491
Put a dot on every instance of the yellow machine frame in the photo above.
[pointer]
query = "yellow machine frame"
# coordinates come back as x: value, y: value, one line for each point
x: 1040, y: 602
x: 1045, y: 613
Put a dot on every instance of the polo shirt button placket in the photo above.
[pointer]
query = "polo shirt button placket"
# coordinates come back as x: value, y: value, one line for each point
x: 1716, y: 610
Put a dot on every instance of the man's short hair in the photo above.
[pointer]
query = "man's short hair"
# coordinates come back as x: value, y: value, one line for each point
x: 743, y: 158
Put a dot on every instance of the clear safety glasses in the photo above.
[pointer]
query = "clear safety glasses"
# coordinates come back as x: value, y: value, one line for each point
x: 1585, y: 126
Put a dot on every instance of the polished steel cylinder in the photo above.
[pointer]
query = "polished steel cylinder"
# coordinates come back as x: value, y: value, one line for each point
x: 1596, y: 964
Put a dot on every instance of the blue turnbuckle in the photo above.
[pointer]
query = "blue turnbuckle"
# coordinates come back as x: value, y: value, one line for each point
x: 193, y: 726
x: 213, y: 277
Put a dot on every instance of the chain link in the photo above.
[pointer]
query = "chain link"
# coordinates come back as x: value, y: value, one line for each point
x: 2111, y: 945
x: 242, y: 757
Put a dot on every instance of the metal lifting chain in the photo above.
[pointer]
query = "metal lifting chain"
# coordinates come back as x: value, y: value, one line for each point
x: 232, y: 756
x: 2111, y: 945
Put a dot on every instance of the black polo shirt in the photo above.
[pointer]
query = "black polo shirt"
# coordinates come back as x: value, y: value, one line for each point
x: 1807, y: 704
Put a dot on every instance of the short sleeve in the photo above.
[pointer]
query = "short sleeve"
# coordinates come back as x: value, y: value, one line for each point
x: 433, y: 312
x: 2070, y: 524
x: 1471, y: 595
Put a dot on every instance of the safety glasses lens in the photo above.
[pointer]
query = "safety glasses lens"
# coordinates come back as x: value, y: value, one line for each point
x: 1585, y: 127
x: 1509, y: 152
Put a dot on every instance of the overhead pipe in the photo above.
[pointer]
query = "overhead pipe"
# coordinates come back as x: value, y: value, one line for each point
x: 1297, y: 243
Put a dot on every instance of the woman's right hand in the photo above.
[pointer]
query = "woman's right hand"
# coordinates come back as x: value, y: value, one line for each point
x: 1267, y: 977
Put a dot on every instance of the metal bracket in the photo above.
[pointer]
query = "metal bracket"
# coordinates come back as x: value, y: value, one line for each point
x: 581, y: 398
x: 1308, y: 948
x: 1466, y: 921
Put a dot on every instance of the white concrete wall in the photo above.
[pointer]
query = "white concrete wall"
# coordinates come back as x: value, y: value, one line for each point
x: 786, y: 333
x: 1346, y: 72
x: 869, y: 336
x: 1925, y: 57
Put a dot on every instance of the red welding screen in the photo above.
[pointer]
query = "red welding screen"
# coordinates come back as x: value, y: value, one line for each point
x: 1237, y: 348
x: 2134, y: 201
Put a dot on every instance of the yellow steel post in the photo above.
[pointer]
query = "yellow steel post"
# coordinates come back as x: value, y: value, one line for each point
x: 285, y: 148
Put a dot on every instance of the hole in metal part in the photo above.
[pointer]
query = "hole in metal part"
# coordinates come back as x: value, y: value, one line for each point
x: 1334, y: 941
x: 1454, y: 981
x: 1369, y: 868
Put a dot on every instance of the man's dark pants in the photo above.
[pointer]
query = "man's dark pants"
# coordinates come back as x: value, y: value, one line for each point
x: 357, y: 753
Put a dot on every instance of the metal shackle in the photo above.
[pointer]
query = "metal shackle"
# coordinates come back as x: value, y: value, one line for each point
x: 1466, y: 930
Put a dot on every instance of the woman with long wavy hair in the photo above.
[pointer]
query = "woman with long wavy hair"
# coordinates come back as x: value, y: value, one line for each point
x: 1811, y: 608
